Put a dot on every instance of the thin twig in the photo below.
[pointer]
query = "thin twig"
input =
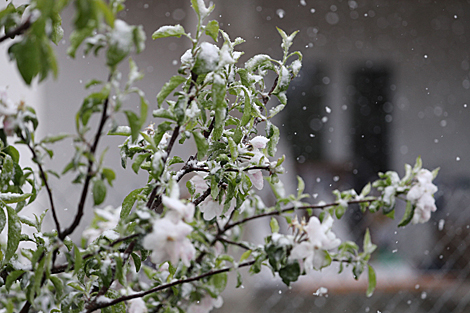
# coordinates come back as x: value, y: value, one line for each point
x: 17, y: 31
x: 81, y: 205
x: 274, y: 213
x: 202, y: 197
x: 46, y: 184
x: 230, y: 242
x: 154, y: 200
x: 166, y: 286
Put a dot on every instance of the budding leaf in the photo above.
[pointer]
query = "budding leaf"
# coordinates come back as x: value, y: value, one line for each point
x: 99, y: 192
x: 245, y: 256
x: 201, y: 143
x: 212, y: 29
x: 274, y: 225
x: 408, y: 214
x: 174, y: 82
x: 168, y: 31
x: 372, y: 282
x: 128, y: 202
x: 14, y: 234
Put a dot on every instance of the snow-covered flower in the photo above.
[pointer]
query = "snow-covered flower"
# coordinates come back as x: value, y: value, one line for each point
x: 109, y: 218
x: 320, y: 239
x: 421, y: 195
x: 137, y: 305
x: 8, y: 111
x: 256, y: 176
x: 168, y: 241
x: 206, y: 305
x: 179, y: 210
x: 193, y: 110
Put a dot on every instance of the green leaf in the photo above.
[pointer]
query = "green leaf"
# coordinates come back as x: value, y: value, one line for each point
x: 286, y: 40
x: 200, y: 8
x: 174, y: 82
x: 372, y: 282
x: 59, y: 287
x: 256, y: 61
x: 139, y: 160
x: 273, y: 140
x: 137, y: 261
x: 300, y: 187
x: 201, y: 143
x: 128, y: 202
x: 109, y: 175
x: 418, y: 164
x: 274, y: 225
x: 175, y: 159
x: 76, y: 286
x: 77, y: 37
x: 366, y: 190
x: 121, y: 41
x: 247, y: 109
x: 239, y: 280
x: 11, y: 151
x: 410, y: 208
x: 3, y: 218
x: 9, y: 198
x: 14, y: 234
x: 107, y: 12
x: 290, y: 273
x: 38, y: 276
x: 368, y: 246
x: 219, y: 281
x: 134, y: 124
x: 27, y: 56
x: 164, y: 113
x: 78, y: 260
x: 57, y: 30
x: 99, y: 192
x: 219, y: 106
x: 54, y: 138
x: 245, y: 256
x: 168, y: 31
x: 12, y: 277
x: 212, y: 29
x: 120, y: 131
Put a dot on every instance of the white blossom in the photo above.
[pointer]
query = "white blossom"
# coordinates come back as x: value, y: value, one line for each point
x: 256, y: 176
x: 168, y: 241
x: 320, y: 239
x: 421, y: 195
x: 137, y: 305
x: 205, y: 305
x: 111, y: 217
x: 178, y: 209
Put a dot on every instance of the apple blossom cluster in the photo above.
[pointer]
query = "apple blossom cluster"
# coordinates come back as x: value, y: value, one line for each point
x: 311, y: 251
x: 421, y: 196
x: 168, y: 240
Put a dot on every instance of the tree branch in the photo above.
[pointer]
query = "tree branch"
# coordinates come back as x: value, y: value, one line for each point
x: 234, y: 243
x: 81, y: 204
x: 274, y: 213
x: 166, y: 286
x: 46, y: 184
x: 17, y: 31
